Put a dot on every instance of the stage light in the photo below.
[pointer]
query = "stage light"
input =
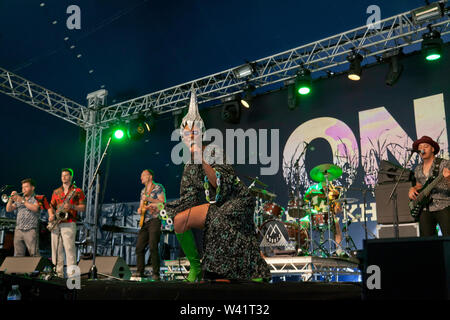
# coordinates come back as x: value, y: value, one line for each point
x: 427, y: 13
x: 303, y: 81
x: 355, y: 70
x: 432, y: 45
x: 137, y: 128
x: 231, y: 109
x: 119, y: 134
x: 243, y: 71
x: 248, y: 96
x: 292, y: 97
x: 395, y: 67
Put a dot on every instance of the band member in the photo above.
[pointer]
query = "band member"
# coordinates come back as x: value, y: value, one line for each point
x: 27, y: 208
x: 214, y: 199
x: 150, y: 232
x: 316, y: 195
x: 66, y: 199
x: 438, y: 211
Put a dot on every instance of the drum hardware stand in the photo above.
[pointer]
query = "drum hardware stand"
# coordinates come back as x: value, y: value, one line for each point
x: 350, y: 244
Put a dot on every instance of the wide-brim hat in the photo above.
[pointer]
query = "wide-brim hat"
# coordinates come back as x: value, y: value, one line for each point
x: 427, y: 139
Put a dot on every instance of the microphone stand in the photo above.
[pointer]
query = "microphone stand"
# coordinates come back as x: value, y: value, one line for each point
x: 393, y: 197
x: 96, y: 178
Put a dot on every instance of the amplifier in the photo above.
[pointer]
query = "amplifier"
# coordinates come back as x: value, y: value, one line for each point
x: 405, y: 230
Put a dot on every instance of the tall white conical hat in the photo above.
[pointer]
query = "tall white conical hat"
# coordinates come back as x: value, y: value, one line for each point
x: 193, y: 116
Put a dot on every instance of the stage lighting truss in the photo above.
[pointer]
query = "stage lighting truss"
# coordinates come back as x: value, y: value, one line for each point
x: 396, y: 32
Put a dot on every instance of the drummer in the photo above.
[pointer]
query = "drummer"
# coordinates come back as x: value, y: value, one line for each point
x: 316, y: 196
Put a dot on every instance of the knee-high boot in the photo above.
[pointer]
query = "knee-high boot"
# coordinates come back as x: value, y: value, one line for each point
x: 187, y: 243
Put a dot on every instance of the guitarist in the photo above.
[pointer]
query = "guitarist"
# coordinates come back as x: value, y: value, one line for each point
x: 151, y: 195
x: 438, y: 210
x: 67, y: 198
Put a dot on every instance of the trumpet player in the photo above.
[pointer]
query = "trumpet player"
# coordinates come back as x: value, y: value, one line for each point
x: 26, y: 207
x: 66, y: 202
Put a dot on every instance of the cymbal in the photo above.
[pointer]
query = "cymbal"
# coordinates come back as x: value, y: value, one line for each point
x: 256, y: 181
x: 347, y: 200
x: 262, y: 193
x: 323, y: 171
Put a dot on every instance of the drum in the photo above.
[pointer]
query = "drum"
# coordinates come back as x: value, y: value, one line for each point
x: 273, y: 209
x: 320, y: 219
x: 295, y: 209
x: 298, y: 234
x: 275, y: 235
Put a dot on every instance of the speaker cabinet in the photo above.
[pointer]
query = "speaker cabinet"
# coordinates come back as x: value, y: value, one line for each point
x: 112, y: 266
x: 21, y: 265
x: 405, y: 230
x: 409, y: 268
x: 385, y: 208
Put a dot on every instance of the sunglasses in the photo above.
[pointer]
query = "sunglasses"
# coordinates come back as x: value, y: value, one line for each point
x: 194, y: 132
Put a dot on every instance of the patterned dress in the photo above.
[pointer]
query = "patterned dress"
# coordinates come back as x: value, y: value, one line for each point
x: 230, y: 242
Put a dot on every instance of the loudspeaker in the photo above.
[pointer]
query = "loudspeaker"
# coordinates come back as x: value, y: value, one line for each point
x: 405, y: 230
x: 408, y: 268
x: 390, y: 172
x: 385, y: 209
x: 21, y: 265
x: 112, y: 266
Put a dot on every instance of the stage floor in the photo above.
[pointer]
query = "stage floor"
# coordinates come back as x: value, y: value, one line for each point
x: 34, y: 289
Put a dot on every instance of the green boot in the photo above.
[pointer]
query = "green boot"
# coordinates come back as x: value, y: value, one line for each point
x: 187, y: 243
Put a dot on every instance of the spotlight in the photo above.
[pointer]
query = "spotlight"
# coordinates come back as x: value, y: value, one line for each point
x: 243, y: 71
x: 292, y: 97
x: 118, y: 132
x: 432, y: 45
x: 231, y: 110
x: 138, y: 127
x: 247, y: 98
x: 354, y: 72
x: 303, y: 81
x: 427, y: 13
x: 395, y: 68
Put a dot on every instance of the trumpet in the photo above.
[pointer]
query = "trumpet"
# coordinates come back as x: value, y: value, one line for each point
x: 5, y: 197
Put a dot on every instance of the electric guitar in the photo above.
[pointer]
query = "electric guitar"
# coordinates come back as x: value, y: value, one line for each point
x: 143, y: 212
x: 423, y: 198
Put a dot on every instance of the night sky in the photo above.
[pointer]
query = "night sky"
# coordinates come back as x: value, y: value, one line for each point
x: 136, y: 47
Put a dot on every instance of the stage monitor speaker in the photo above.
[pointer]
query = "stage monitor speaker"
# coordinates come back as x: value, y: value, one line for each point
x: 409, y: 268
x: 111, y: 266
x: 390, y: 172
x: 385, y: 208
x: 405, y: 230
x: 21, y: 265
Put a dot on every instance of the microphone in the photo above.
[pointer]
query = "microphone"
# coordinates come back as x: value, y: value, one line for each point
x: 415, y: 151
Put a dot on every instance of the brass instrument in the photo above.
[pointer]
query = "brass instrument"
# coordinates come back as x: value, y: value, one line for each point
x: 5, y: 198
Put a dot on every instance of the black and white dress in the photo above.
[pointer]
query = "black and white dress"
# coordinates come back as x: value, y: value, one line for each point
x: 230, y: 244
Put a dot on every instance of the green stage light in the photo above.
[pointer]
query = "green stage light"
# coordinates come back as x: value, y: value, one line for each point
x: 119, y: 134
x: 304, y: 90
x: 303, y: 82
x: 432, y: 45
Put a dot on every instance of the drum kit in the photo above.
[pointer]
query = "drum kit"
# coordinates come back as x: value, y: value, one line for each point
x: 295, y: 231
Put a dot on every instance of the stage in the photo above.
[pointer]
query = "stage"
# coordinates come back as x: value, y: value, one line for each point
x: 35, y: 290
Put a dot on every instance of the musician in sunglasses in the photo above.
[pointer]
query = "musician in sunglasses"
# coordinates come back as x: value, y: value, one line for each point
x: 437, y: 211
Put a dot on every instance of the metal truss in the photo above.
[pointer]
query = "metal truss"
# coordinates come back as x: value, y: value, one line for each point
x: 93, y: 148
x: 43, y: 99
x: 392, y: 33
x: 312, y: 268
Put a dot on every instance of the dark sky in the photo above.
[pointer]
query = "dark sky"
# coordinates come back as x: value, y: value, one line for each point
x: 135, y: 47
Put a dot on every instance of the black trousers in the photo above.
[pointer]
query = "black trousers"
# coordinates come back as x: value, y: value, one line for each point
x: 429, y: 220
x: 149, y: 234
